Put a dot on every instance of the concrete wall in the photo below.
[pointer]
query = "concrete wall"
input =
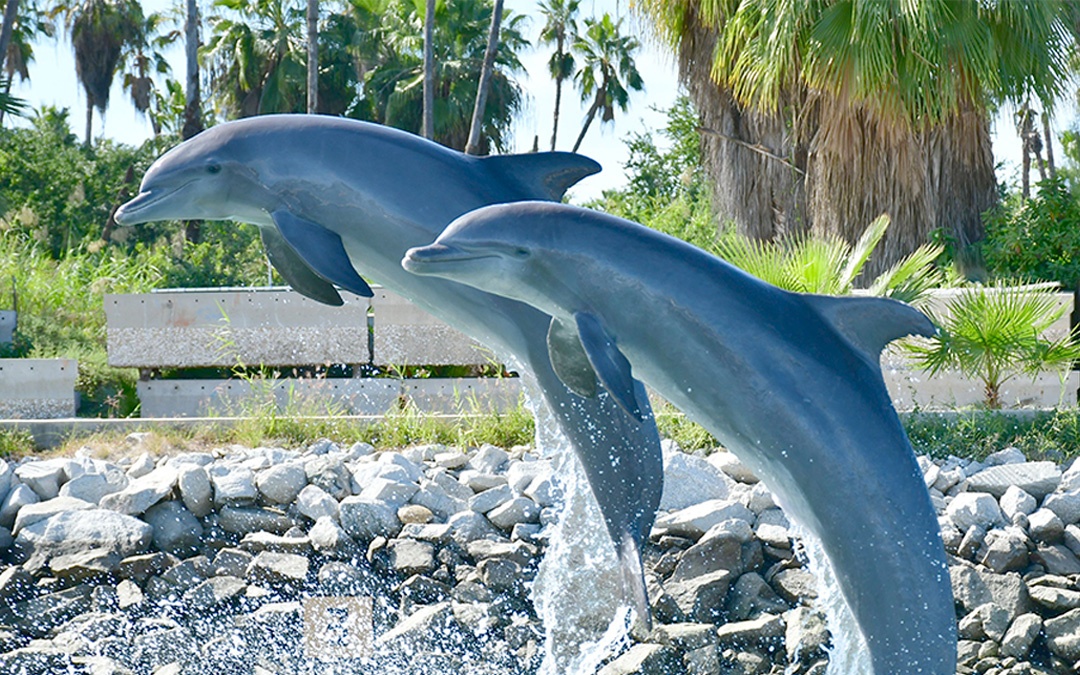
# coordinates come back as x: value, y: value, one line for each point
x: 37, y: 388
x: 7, y: 325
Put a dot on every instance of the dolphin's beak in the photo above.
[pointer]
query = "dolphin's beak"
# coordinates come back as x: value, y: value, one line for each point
x: 144, y: 207
x: 436, y: 258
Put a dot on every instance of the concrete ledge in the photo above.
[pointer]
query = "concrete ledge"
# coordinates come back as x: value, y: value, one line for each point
x: 37, y: 388
x: 7, y: 325
x: 915, y: 389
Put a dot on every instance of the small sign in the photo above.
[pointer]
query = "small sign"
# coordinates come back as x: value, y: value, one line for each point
x: 337, y: 628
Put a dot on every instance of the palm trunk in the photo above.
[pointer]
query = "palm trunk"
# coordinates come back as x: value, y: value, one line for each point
x: 1025, y: 139
x: 558, y: 94
x: 473, y: 146
x: 11, y: 13
x: 192, y: 96
x: 312, y: 56
x: 89, y: 121
x: 588, y: 121
x: 1049, y: 146
x: 428, y: 121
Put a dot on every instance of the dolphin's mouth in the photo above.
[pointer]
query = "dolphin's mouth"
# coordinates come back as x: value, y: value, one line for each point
x: 439, y: 258
x: 136, y: 210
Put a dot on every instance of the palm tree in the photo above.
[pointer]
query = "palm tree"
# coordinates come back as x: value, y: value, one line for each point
x: 472, y: 147
x: 19, y: 53
x: 193, y: 122
x: 822, y: 115
x: 607, y: 62
x: 11, y: 15
x: 428, y: 113
x: 312, y: 16
x: 141, y: 58
x: 560, y: 28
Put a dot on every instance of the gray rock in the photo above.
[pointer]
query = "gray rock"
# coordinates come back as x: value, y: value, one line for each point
x: 36, y: 660
x: 450, y: 484
x: 277, y: 569
x: 518, y: 552
x: 214, y: 592
x: 176, y: 530
x: 723, y: 551
x: 520, y: 474
x: 233, y: 485
x: 760, y: 499
x: 690, y: 480
x: 695, y: 520
x: 1057, y: 600
x: 390, y: 492
x: 409, y: 557
x: 701, y: 598
x: 245, y: 520
x: 517, y: 510
x: 281, y: 484
x: 140, y: 567
x: 987, y: 621
x: 1004, y: 551
x: 1016, y: 501
x: 1072, y: 538
x: 774, y: 535
x: 313, y: 502
x: 74, y: 532
x: 18, y: 497
x: 142, y: 493
x: 37, y: 616
x: 415, y: 514
x: 435, y: 498
x: 645, y: 659
x: 160, y: 649
x: 973, y: 587
x: 1036, y: 478
x: 469, y: 526
x: 1057, y: 559
x: 231, y: 562
x: 44, y: 477
x: 328, y: 538
x: 91, y: 487
x: 479, y: 482
x: 730, y: 465
x: 364, y: 519
x: 196, y: 491
x: 128, y: 594
x: 142, y: 465
x: 453, y: 459
x: 488, y: 459
x: 435, y: 533
x: 91, y: 564
x: 805, y: 635
x: 499, y: 574
x: 974, y: 508
x: 764, y: 628
x: 1010, y: 455
x: 751, y: 596
x: 290, y: 542
x: 36, y: 512
x: 428, y: 625
x: 1065, y: 504
x: 1063, y: 635
x: 487, y: 500
x: 1045, y: 526
x: 543, y: 490
x: 7, y: 477
x: 1021, y: 635
x: 414, y: 471
x: 796, y: 585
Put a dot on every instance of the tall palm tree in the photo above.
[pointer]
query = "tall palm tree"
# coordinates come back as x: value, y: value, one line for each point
x: 141, y: 58
x: 607, y: 69
x: 19, y: 53
x: 822, y: 115
x: 193, y: 122
x: 312, y: 16
x: 11, y: 15
x: 428, y: 113
x: 560, y: 28
x: 472, y: 147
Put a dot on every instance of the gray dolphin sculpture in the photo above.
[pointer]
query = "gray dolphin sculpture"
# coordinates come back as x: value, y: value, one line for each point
x: 328, y: 193
x: 791, y: 383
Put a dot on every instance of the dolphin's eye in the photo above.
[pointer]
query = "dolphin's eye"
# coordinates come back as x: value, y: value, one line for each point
x: 213, y: 169
x: 521, y: 253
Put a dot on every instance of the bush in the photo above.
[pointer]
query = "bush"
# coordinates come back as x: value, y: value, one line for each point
x: 1037, y: 239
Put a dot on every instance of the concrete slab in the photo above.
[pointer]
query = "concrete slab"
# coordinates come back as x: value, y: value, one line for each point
x: 7, y: 325
x: 225, y: 398
x: 464, y: 395
x: 37, y: 388
x: 407, y: 335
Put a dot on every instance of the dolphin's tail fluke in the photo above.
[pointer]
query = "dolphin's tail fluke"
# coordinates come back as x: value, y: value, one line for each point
x: 634, y: 582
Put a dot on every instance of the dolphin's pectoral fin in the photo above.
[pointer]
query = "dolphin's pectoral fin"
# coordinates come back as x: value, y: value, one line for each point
x: 610, y: 364
x: 871, y: 323
x: 295, y: 271
x: 544, y: 175
x: 322, y: 250
x: 569, y: 360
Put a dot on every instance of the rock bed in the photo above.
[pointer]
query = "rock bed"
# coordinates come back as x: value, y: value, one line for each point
x: 204, y: 563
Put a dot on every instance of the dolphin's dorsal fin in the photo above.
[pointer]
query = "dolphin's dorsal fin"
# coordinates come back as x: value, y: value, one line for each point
x: 543, y: 175
x: 871, y: 323
x: 611, y: 366
x: 322, y: 250
x: 295, y: 271
x: 569, y: 360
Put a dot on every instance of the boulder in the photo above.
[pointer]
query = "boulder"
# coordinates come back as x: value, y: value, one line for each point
x: 233, y: 484
x: 277, y: 569
x: 1021, y: 635
x: 973, y: 587
x: 1065, y: 504
x: 695, y: 520
x: 196, y: 491
x: 17, y: 498
x: 974, y: 508
x: 645, y: 659
x: 702, y: 599
x: 690, y: 480
x: 1063, y: 635
x: 517, y: 510
x: 176, y: 529
x: 76, y: 531
x: 44, y: 477
x: 245, y: 520
x: 38, y: 511
x: 313, y: 502
x: 281, y: 484
x: 1036, y: 478
x: 92, y: 487
x: 364, y: 519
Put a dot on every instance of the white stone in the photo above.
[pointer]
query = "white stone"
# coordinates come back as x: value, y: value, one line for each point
x: 454, y: 459
x: 142, y: 465
x: 450, y: 485
x: 142, y: 493
x: 281, y: 484
x: 517, y: 510
x: 973, y: 508
x: 1072, y: 538
x: 195, y: 489
x: 435, y: 498
x: 488, y: 459
x: 78, y: 531
x: 1015, y: 501
x: 1045, y: 526
x: 364, y: 473
x: 1009, y: 455
x: 1070, y: 478
x: 1065, y: 504
x: 391, y: 492
x: 232, y: 484
x: 315, y: 503
x: 44, y: 477
x: 18, y: 497
x: 364, y: 519
x: 695, y: 520
x: 487, y: 500
x: 176, y: 529
x: 91, y: 487
x: 1036, y: 478
x: 203, y: 459
x: 329, y: 538
x: 478, y: 482
x: 732, y: 466
x: 32, y: 513
x: 7, y: 476
x: 948, y: 479
x: 543, y: 490
x: 690, y: 480
x: 519, y: 475
x: 760, y: 499
x: 414, y: 470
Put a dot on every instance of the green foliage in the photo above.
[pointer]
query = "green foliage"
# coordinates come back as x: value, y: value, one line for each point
x: 1036, y: 239
x: 16, y: 443
x: 994, y: 334
x: 1053, y: 435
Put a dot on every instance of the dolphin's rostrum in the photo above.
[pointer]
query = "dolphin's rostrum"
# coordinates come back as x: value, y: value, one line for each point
x: 791, y: 383
x: 331, y: 196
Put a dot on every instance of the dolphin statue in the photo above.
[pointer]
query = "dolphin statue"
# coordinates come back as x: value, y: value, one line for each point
x: 329, y: 194
x: 790, y: 383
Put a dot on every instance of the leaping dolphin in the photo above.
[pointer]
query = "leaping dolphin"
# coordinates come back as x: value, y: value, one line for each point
x: 330, y: 193
x: 790, y: 383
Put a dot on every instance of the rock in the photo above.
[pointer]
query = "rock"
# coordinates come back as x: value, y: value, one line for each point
x: 1065, y: 504
x: 453, y: 459
x: 38, y: 511
x: 128, y: 594
x: 328, y: 538
x: 973, y: 540
x: 760, y: 499
x: 414, y: 471
x: 723, y: 551
x: 176, y: 530
x: 517, y: 510
x: 488, y: 459
x: 645, y: 659
x: 44, y: 477
x: 796, y: 585
x: 414, y: 514
x: 37, y: 660
x: 437, y: 500
x: 987, y: 621
x: 766, y: 627
x: 751, y: 596
x: 695, y: 520
x: 231, y: 562
x: 142, y: 465
x: 313, y: 502
x: 1016, y: 501
x: 973, y: 508
x: 428, y: 625
x: 973, y: 587
x: 1036, y: 478
x: 806, y: 634
x: 91, y: 564
x: 390, y: 492
x: 543, y: 490
x: 702, y: 598
x: 774, y: 535
x: 92, y: 487
x: 17, y: 498
x: 140, y: 567
x: 214, y: 592
x: 730, y: 465
x: 73, y: 532
x: 519, y: 552
x: 245, y: 520
x: 1045, y: 526
x: 1004, y: 551
x: 1063, y: 635
x: 277, y: 569
x: 1021, y: 635
x: 364, y: 519
x: 1072, y: 538
x: 690, y: 480
x: 469, y: 526
x: 7, y: 477
x: 1057, y: 559
x: 233, y: 485
x: 37, y: 616
x: 409, y: 557
x: 282, y: 483
x: 329, y: 473
x: 142, y: 493
x: 499, y: 574
x: 196, y: 490
x: 478, y: 482
x: 487, y: 500
x: 159, y: 650
x: 520, y: 474
x: 290, y: 542
x: 1057, y: 600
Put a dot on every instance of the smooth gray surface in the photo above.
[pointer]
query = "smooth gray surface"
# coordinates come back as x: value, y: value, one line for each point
x: 382, y: 191
x: 790, y: 383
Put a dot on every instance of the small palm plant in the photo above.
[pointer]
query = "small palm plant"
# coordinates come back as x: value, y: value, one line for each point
x: 994, y: 334
x: 830, y: 266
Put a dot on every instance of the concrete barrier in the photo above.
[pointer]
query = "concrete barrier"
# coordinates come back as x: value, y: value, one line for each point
x: 37, y: 388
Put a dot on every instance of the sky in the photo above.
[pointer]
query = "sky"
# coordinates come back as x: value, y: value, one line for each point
x: 53, y: 83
